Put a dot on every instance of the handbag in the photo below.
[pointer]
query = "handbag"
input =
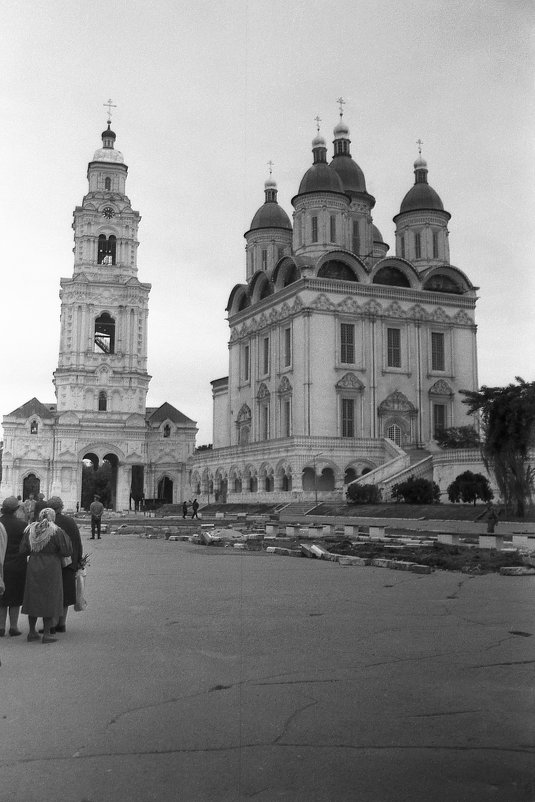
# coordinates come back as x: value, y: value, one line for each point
x: 81, y: 603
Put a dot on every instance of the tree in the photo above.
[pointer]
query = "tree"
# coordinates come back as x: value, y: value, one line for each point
x: 416, y: 491
x: 468, y: 487
x: 363, y: 494
x: 458, y: 437
x: 508, y: 421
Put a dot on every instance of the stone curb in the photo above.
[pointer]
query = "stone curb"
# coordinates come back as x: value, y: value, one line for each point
x: 516, y: 570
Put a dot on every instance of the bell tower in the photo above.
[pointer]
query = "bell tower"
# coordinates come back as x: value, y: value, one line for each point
x: 102, y: 365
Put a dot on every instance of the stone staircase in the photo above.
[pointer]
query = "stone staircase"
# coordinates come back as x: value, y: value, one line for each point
x: 420, y: 464
x: 295, y: 510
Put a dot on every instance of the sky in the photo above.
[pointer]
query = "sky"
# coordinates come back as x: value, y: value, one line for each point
x: 206, y: 95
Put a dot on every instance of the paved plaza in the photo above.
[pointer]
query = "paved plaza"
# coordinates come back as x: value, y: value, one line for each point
x: 200, y: 674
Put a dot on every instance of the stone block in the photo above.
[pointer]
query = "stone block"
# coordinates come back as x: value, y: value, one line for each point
x: 271, y: 549
x: 517, y: 570
x: 272, y: 529
x: 345, y: 559
x: 239, y: 546
x: 380, y: 562
x: 220, y: 515
x: 320, y: 552
x: 491, y: 542
x: 400, y: 565
x: 351, y: 530
x: 421, y: 569
x: 306, y: 551
x: 377, y: 532
x: 327, y: 529
x: 449, y: 538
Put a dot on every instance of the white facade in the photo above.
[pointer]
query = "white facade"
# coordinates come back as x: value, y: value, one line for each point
x: 101, y: 380
x: 341, y: 358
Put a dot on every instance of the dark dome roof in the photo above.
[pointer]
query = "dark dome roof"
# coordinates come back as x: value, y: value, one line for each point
x: 350, y: 173
x: 421, y: 196
x: 377, y: 236
x: 109, y: 134
x: 320, y: 178
x: 271, y: 215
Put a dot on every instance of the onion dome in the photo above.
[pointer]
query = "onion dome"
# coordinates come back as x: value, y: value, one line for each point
x: 270, y: 215
x: 320, y: 177
x: 351, y: 175
x: 107, y: 152
x: 421, y: 195
x: 377, y: 236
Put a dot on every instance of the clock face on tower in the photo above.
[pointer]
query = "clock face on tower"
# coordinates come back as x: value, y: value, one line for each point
x: 108, y: 212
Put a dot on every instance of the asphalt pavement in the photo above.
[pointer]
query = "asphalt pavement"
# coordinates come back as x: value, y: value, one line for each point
x: 203, y: 673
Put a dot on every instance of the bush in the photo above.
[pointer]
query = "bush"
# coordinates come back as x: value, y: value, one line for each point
x: 363, y: 494
x: 416, y: 491
x: 458, y: 437
x: 468, y: 487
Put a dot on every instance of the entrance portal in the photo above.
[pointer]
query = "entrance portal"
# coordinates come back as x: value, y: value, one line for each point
x: 31, y: 484
x: 99, y: 479
x: 165, y: 490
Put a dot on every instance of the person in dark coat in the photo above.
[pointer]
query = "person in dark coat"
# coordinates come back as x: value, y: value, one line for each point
x: 185, y: 509
x: 194, y: 507
x: 46, y: 544
x: 68, y: 572
x: 40, y: 504
x: 14, y: 567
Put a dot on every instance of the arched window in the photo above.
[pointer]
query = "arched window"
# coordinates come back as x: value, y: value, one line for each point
x: 107, y: 249
x: 394, y: 433
x: 107, y: 183
x: 166, y: 430
x: 102, y: 401
x: 338, y: 270
x: 391, y: 276
x: 34, y: 427
x: 105, y: 334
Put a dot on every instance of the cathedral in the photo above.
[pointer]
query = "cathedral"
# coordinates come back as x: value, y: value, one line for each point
x: 101, y: 380
x: 344, y: 359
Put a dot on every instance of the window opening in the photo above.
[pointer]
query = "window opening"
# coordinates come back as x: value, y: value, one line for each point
x: 394, y: 348
x: 435, y: 244
x: 265, y: 353
x: 356, y: 237
x: 439, y: 418
x: 402, y: 241
x: 166, y: 430
x: 107, y: 249
x: 104, y: 334
x: 102, y: 401
x: 314, y: 229
x: 394, y: 433
x: 333, y: 228
x: 437, y: 350
x: 34, y: 427
x: 418, y: 245
x: 287, y: 347
x: 107, y: 183
x: 347, y: 338
x: 246, y: 363
x: 264, y: 259
x: 348, y: 417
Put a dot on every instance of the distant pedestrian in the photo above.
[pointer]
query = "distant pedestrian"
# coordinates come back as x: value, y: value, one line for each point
x: 491, y: 517
x: 20, y: 512
x: 68, y: 572
x: 184, y: 509
x: 96, y: 508
x: 14, y: 567
x: 40, y: 504
x: 29, y: 506
x: 46, y: 544
x: 194, y: 507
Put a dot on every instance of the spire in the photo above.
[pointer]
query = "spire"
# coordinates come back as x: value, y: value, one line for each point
x: 341, y: 133
x: 270, y: 186
x: 319, y: 146
x: 420, y: 166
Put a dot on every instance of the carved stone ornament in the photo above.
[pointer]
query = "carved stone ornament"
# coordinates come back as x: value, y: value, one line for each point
x: 395, y: 310
x: 263, y: 392
x: 350, y: 382
x: 463, y: 319
x: 418, y: 312
x: 284, y: 386
x: 244, y: 414
x: 322, y: 303
x: 441, y: 387
x: 350, y: 306
x: 440, y: 315
x: 372, y: 308
x: 396, y: 402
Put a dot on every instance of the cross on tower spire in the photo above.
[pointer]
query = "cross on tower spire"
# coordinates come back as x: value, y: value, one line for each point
x: 342, y: 103
x: 270, y: 165
x: 318, y: 120
x: 419, y: 143
x: 110, y: 106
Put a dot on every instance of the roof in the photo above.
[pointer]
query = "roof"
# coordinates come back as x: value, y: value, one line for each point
x: 320, y: 178
x: 166, y: 412
x: 350, y: 173
x: 271, y: 215
x: 34, y: 407
x: 421, y: 196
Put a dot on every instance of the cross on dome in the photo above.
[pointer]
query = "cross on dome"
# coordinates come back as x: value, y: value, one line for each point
x: 342, y: 103
x: 317, y: 118
x: 110, y: 105
x: 419, y: 143
x: 270, y: 164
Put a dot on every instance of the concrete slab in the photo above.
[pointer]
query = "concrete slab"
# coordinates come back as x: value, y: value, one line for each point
x: 205, y: 675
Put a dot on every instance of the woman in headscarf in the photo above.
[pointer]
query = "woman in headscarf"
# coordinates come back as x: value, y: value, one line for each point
x: 14, y: 567
x: 46, y: 544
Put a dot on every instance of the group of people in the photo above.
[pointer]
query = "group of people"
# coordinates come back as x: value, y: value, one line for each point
x: 38, y: 564
x: 194, y: 507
